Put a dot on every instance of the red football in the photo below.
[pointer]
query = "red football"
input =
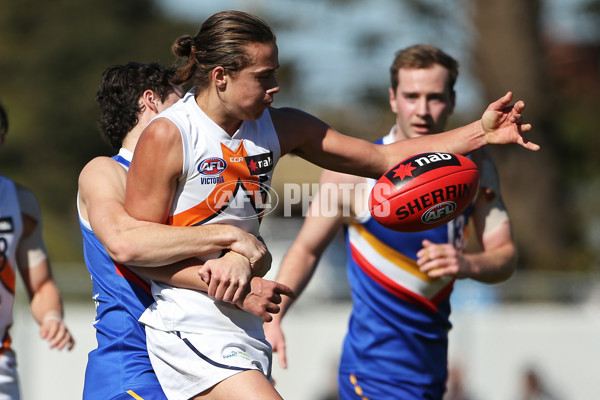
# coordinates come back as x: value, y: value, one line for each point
x: 424, y: 191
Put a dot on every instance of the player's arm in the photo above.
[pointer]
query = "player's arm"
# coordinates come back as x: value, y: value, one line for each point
x: 312, y: 139
x: 34, y: 268
x: 259, y: 296
x: 300, y: 261
x: 497, y: 260
x: 142, y: 243
x: 151, y: 185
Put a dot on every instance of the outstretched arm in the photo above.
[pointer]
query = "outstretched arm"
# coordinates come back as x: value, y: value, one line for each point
x: 312, y: 139
x: 34, y: 267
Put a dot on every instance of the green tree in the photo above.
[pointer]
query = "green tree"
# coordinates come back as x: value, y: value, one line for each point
x: 51, y: 57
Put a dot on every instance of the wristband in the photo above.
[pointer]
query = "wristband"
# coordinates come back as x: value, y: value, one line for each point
x: 52, y: 315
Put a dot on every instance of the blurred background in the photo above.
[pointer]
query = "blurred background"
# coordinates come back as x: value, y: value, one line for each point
x: 544, y: 323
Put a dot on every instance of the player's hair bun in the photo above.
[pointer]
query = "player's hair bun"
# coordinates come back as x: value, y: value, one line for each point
x: 182, y: 47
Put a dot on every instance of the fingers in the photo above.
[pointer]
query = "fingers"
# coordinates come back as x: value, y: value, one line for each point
x: 431, y: 252
x: 530, y: 145
x: 282, y: 356
x: 66, y: 340
x: 502, y: 102
x: 285, y: 290
x: 238, y: 294
x: 266, y: 317
x: 226, y: 290
x: 273, y: 308
x: 525, y: 127
x: 519, y: 106
x: 204, y: 273
x: 57, y: 335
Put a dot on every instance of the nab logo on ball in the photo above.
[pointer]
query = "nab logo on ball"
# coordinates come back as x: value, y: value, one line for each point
x: 424, y: 191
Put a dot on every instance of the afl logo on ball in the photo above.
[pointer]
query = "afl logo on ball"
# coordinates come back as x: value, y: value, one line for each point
x: 439, y: 212
x: 212, y: 166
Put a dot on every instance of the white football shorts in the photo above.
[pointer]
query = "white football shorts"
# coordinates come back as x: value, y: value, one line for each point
x: 189, y: 363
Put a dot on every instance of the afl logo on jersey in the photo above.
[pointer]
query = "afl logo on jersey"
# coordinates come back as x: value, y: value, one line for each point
x: 212, y: 166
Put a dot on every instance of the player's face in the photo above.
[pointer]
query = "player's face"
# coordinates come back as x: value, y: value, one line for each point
x: 251, y: 90
x: 422, y: 101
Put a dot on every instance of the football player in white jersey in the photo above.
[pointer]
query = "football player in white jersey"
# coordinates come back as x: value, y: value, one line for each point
x: 225, y: 129
x: 120, y: 251
x: 22, y: 248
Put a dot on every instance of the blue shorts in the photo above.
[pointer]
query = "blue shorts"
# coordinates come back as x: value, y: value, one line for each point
x: 352, y: 388
x: 147, y: 393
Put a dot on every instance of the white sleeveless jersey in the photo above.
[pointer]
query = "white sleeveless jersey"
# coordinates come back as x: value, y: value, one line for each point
x: 11, y: 229
x: 225, y: 180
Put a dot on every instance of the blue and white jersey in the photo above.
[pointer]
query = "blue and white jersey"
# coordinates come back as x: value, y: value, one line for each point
x: 398, y: 329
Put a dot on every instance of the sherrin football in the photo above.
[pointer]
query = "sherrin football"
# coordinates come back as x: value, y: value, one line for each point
x: 424, y: 191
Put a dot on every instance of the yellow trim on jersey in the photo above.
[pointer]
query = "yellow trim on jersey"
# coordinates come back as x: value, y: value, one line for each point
x: 134, y: 395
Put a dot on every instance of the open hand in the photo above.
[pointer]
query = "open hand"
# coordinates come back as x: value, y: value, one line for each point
x: 264, y: 297
x: 503, y: 123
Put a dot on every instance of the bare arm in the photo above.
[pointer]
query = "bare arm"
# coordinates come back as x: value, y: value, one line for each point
x: 317, y: 231
x: 497, y: 260
x: 312, y: 139
x: 259, y: 296
x: 151, y: 185
x: 300, y: 262
x: 135, y: 242
x: 34, y: 268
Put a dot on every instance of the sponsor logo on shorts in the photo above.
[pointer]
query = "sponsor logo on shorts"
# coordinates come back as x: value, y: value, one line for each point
x: 236, y: 353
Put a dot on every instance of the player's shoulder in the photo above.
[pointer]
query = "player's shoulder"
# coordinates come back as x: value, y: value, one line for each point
x: 162, y: 128
x: 98, y: 164
x: 99, y: 169
x: 23, y: 191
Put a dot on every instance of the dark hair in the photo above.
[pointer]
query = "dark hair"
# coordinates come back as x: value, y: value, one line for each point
x: 120, y: 89
x: 220, y: 41
x: 3, y: 120
x: 423, y: 56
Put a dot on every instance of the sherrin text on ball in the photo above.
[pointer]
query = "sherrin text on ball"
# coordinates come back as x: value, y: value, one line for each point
x: 424, y: 191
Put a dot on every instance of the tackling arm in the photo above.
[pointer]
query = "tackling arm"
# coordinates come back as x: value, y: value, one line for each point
x: 142, y: 243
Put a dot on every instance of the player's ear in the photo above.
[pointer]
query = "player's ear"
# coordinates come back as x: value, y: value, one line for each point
x: 393, y: 106
x: 452, y: 101
x: 150, y: 100
x: 219, y: 77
